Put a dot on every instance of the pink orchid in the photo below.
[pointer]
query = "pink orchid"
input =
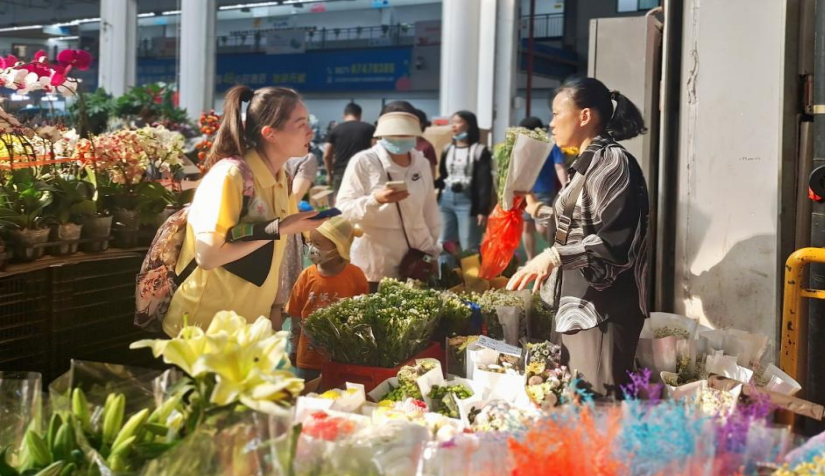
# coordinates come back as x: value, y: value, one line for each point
x: 10, y: 61
x: 69, y: 59
x: 79, y: 59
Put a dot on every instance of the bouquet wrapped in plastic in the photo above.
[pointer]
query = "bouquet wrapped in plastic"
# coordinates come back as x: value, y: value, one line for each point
x: 518, y: 162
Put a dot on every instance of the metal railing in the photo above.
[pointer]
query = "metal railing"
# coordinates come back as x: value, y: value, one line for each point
x: 545, y: 26
x: 255, y: 41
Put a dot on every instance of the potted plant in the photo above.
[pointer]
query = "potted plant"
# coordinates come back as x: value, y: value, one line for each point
x: 72, y: 205
x: 24, y: 199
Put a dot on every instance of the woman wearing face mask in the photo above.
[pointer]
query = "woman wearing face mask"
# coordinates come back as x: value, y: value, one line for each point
x: 465, y: 183
x: 603, y: 259
x: 231, y: 256
x: 394, y: 219
x: 329, y: 279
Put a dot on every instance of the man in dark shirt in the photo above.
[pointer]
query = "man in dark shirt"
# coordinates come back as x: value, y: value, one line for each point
x: 345, y: 140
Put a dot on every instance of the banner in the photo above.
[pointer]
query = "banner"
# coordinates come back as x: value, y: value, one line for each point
x: 285, y: 42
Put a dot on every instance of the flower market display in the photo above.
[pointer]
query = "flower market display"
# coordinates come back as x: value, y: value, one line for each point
x: 453, y: 377
x: 231, y: 404
x: 64, y: 189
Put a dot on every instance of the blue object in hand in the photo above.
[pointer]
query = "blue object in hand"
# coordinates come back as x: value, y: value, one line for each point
x: 328, y: 213
x: 304, y: 206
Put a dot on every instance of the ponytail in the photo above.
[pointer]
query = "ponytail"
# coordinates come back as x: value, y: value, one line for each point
x: 267, y: 106
x: 623, y: 121
x: 627, y: 121
x: 231, y: 139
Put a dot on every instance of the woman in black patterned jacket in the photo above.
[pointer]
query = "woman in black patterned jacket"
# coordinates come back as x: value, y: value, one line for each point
x: 603, y: 264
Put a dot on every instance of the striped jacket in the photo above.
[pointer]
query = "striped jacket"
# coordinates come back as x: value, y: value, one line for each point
x: 605, y: 260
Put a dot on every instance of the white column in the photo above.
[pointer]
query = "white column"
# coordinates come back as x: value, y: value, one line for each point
x: 118, y: 45
x: 486, y: 62
x: 506, y: 54
x: 459, y: 56
x: 197, y: 56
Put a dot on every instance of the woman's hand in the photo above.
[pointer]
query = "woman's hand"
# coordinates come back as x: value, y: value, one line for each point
x: 538, y: 270
x: 388, y: 195
x: 482, y: 219
x: 299, y: 223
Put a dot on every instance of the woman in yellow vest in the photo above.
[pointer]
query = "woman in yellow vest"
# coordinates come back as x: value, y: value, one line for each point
x: 241, y: 209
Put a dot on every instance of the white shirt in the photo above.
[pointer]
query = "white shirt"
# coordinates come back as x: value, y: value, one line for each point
x: 459, y: 167
x: 382, y: 247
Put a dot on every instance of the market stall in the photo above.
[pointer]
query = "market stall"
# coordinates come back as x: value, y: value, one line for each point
x: 454, y: 376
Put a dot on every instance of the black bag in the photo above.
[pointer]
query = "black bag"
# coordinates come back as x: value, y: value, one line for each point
x: 416, y: 264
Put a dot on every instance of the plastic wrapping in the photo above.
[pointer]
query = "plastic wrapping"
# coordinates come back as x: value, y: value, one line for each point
x: 231, y: 443
x: 501, y: 239
x: 21, y: 407
x: 526, y: 160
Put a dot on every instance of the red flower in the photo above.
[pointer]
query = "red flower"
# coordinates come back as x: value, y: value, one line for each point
x: 79, y: 59
x: 10, y: 61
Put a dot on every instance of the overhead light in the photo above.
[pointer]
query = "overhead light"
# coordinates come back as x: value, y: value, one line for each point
x: 65, y: 38
x: 172, y: 12
x: 250, y: 5
x: 146, y: 15
x: 78, y: 22
x: 18, y: 28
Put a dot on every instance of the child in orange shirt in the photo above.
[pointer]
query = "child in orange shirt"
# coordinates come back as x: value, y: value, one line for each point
x: 328, y: 280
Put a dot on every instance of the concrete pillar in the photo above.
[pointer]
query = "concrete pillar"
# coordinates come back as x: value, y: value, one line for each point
x: 118, y: 45
x: 459, y: 55
x: 197, y: 56
x: 486, y: 62
x: 506, y: 55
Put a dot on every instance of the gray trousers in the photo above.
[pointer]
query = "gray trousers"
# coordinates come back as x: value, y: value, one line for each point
x: 603, y: 355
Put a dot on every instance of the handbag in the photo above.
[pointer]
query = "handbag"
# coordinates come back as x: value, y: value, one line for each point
x: 550, y: 291
x: 415, y: 264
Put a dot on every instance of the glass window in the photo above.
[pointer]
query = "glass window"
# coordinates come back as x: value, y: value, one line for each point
x: 628, y: 6
x: 625, y: 6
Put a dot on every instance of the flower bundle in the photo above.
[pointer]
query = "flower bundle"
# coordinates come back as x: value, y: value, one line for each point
x: 162, y: 148
x: 494, y: 299
x: 442, y: 397
x: 41, y: 74
x: 121, y: 155
x: 382, y: 329
x: 234, y: 362
x: 503, y: 155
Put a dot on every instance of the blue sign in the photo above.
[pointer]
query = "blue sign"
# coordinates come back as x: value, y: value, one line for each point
x: 378, y: 69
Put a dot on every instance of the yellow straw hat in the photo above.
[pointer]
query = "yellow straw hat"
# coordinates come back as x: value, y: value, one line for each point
x: 341, y: 232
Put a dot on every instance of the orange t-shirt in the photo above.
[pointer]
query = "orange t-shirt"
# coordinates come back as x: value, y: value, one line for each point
x: 313, y: 291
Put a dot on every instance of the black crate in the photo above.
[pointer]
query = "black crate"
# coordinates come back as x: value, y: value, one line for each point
x: 114, y: 351
x: 78, y: 342
x: 30, y: 363
x: 93, y: 291
x: 24, y: 311
x: 94, y: 309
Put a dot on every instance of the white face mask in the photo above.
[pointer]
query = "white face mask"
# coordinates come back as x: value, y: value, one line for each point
x: 319, y: 257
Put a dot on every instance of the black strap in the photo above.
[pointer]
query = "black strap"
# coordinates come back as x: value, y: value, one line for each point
x: 400, y: 216
x: 190, y: 268
x: 566, y: 218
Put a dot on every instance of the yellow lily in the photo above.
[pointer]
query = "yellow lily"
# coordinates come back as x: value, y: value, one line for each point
x: 252, y: 368
x: 249, y: 361
x: 182, y: 351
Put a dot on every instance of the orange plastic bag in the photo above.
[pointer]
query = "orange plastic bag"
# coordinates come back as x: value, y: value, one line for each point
x: 502, y: 239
